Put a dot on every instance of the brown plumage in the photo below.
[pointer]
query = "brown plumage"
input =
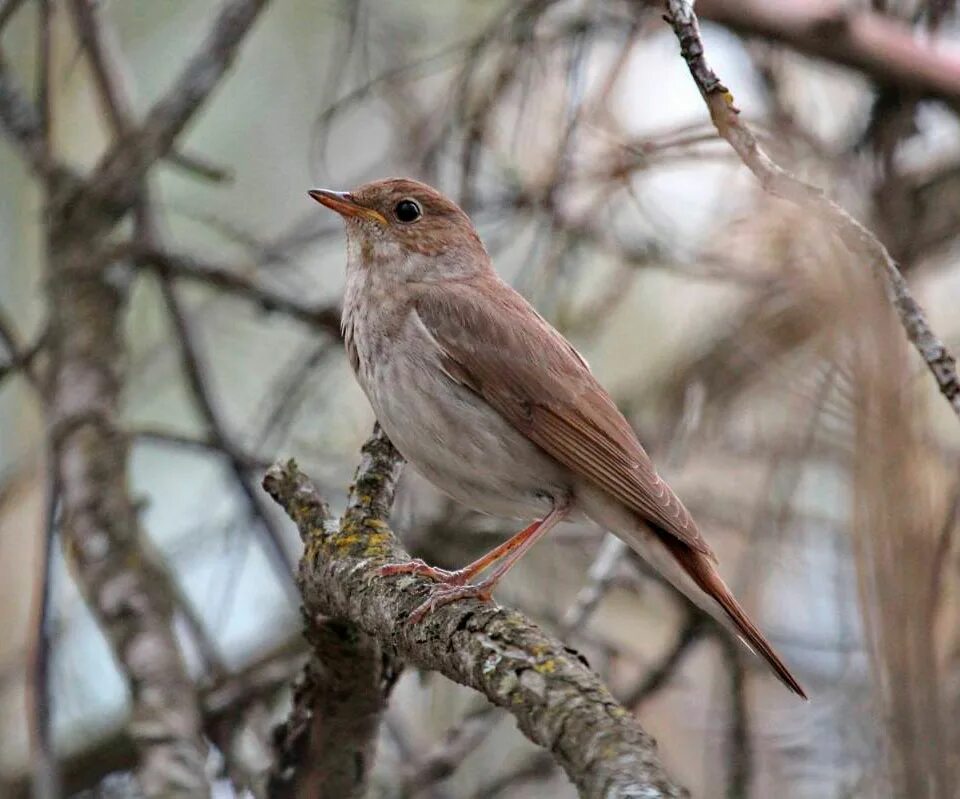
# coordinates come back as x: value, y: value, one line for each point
x: 495, y: 407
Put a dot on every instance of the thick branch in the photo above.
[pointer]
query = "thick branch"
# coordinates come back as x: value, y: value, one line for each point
x: 781, y: 183
x: 558, y: 702
x: 327, y: 745
x: 879, y: 46
x: 100, y: 526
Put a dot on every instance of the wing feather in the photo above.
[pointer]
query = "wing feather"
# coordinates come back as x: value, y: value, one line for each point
x: 496, y: 344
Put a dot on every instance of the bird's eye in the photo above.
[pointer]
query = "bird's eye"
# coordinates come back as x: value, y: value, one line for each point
x: 408, y: 210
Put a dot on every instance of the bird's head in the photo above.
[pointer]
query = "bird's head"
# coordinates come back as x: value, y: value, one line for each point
x: 405, y: 225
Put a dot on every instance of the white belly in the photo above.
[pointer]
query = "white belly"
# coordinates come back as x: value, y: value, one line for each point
x: 454, y: 439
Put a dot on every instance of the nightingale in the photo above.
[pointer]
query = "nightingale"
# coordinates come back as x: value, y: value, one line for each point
x: 496, y: 408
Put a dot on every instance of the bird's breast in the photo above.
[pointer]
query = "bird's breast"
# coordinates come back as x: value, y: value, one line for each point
x: 446, y: 431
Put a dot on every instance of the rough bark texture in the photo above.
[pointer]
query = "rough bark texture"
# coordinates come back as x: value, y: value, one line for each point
x: 557, y: 701
x: 327, y: 745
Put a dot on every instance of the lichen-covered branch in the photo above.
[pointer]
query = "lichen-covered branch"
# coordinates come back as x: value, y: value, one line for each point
x: 558, y: 702
x: 326, y: 746
x: 781, y: 183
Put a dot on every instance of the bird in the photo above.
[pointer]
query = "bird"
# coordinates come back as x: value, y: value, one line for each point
x: 495, y: 408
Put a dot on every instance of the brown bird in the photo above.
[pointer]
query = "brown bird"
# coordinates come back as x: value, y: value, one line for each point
x: 495, y: 408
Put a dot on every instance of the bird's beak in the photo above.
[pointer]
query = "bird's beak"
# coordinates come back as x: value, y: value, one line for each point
x: 343, y: 203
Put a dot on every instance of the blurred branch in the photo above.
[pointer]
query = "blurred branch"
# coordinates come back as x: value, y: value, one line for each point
x: 115, y: 181
x: 107, y: 75
x: 535, y: 767
x: 100, y: 526
x: 23, y: 125
x: 131, y: 601
x: 109, y: 71
x: 457, y: 743
x: 198, y: 383
x: 222, y: 704
x: 152, y: 435
x: 781, y: 183
x: 739, y: 753
x: 230, y: 281
x: 879, y: 46
x: 7, y: 9
x: 19, y: 358
x: 46, y: 771
x: 558, y: 702
x: 696, y: 626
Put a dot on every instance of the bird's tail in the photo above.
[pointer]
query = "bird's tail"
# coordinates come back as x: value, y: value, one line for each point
x: 699, y: 568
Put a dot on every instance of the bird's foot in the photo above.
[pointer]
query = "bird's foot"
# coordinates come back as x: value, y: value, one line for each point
x: 422, y: 569
x: 441, y: 595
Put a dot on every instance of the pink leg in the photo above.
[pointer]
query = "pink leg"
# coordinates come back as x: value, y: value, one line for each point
x: 460, y: 576
x: 513, y: 550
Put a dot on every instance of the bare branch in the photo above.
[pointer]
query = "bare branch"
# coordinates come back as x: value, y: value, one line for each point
x: 116, y: 179
x: 781, y: 183
x: 230, y: 281
x: 877, y: 45
x: 100, y: 527
x: 558, y: 702
x: 7, y: 9
x: 23, y: 125
x: 326, y: 746
x: 222, y: 704
x: 196, y: 375
x: 739, y: 750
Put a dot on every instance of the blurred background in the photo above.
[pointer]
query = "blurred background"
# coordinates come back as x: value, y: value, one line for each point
x: 759, y: 362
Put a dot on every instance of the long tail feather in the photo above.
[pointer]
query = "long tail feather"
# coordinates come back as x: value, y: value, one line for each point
x: 699, y: 568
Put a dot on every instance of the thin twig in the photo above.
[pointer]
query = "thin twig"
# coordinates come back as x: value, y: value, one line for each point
x: 781, y: 183
x: 197, y: 379
x: 230, y: 281
x: 46, y: 776
x: 115, y: 181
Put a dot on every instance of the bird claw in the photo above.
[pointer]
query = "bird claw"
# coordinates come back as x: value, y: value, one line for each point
x: 441, y: 595
x: 421, y: 569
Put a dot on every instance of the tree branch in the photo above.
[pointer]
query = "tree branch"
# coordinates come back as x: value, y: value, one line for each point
x: 326, y: 746
x: 881, y: 47
x: 558, y: 702
x: 115, y: 181
x: 223, y: 703
x: 781, y: 183
x: 229, y: 281
x: 22, y: 124
x: 100, y: 527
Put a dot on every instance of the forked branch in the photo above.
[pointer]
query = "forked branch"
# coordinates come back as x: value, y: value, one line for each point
x: 558, y: 702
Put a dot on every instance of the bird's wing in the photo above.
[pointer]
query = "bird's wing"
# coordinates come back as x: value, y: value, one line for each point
x: 497, y: 345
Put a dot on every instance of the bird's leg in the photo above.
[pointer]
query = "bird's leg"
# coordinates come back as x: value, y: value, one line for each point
x: 510, y: 552
x: 460, y: 576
